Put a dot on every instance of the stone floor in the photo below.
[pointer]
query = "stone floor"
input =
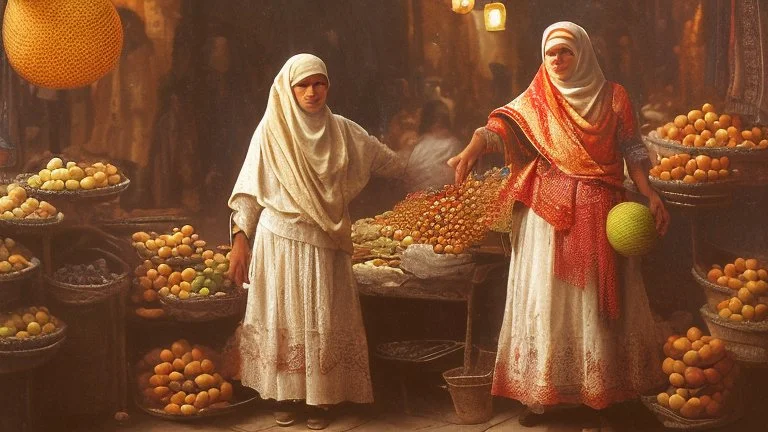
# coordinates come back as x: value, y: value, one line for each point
x: 434, y: 413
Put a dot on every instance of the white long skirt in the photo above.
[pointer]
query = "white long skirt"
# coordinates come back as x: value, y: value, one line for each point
x: 303, y: 335
x: 554, y: 347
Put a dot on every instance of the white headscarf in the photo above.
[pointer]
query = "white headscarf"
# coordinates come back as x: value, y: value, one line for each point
x: 306, y: 152
x: 583, y: 86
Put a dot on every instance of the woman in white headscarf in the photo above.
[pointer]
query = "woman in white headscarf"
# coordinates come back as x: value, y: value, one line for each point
x: 577, y: 327
x: 302, y: 336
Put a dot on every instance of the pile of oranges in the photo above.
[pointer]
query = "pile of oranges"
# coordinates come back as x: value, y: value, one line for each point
x: 182, y: 379
x: 702, y: 375
x: 689, y: 169
x: 706, y: 128
x: 749, y: 281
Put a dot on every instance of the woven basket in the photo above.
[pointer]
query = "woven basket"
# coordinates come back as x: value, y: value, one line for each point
x: 706, y: 194
x: 753, y: 164
x: 206, y: 308
x: 19, y: 361
x: 177, y: 262
x: 747, y: 341
x: 242, y: 396
x: 144, y: 223
x: 103, y: 193
x: 714, y: 292
x: 12, y: 344
x: 30, y: 226
x: 21, y: 274
x: 91, y: 294
x: 672, y: 420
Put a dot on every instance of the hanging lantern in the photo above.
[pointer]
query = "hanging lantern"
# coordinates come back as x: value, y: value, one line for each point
x: 462, y: 6
x: 495, y: 16
x: 62, y: 43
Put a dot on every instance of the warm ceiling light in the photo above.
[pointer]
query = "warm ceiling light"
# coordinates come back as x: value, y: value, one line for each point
x: 462, y: 6
x: 495, y: 16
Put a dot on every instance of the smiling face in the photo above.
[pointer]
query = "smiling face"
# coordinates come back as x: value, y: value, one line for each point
x: 311, y: 93
x: 559, y: 61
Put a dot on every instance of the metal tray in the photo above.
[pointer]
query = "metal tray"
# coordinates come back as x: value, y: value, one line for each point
x: 417, y: 351
x: 242, y: 394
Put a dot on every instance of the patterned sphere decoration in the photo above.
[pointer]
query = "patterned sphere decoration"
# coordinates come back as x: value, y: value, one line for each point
x: 631, y: 229
x: 62, y: 44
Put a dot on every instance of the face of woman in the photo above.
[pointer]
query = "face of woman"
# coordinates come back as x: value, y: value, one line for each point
x: 559, y: 61
x: 311, y: 93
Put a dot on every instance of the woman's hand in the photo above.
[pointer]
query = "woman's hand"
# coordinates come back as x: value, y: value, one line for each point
x: 238, y: 259
x: 659, y: 211
x: 463, y: 162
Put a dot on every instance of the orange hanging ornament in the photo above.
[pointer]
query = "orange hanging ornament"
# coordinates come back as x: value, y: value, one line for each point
x: 62, y: 43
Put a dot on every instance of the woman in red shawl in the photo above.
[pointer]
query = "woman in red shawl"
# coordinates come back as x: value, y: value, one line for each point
x: 577, y: 326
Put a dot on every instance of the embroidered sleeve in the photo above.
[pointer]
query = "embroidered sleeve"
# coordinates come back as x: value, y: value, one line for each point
x: 627, y: 134
x: 496, y: 133
x: 385, y: 163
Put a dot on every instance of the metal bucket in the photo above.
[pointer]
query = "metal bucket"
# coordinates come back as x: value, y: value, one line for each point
x: 471, y: 390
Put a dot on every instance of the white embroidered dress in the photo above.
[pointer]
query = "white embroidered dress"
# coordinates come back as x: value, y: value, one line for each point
x: 303, y: 336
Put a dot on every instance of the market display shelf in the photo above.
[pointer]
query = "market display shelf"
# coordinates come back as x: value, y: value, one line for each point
x: 107, y: 192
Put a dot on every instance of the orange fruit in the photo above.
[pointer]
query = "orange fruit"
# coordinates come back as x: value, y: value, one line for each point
x: 694, y: 333
x: 665, y: 175
x: 680, y: 121
x: 703, y: 162
x: 166, y: 355
x: 689, y: 139
x: 751, y: 264
x: 723, y: 281
x: 712, y: 175
x: 666, y: 164
x: 673, y: 133
x: 691, y: 358
x: 706, y: 134
x: 741, y: 264
x: 188, y: 274
x: 666, y: 365
x: 730, y: 270
x: 714, y: 275
x: 700, y: 124
x: 689, y: 179
x: 690, y: 167
x: 715, y: 164
x: 61, y: 43
x: 698, y: 141
x: 164, y: 269
x: 677, y: 380
x: 677, y: 173
x: 700, y: 175
x: 725, y: 120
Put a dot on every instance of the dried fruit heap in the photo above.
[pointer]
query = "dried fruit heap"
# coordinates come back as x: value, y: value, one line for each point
x: 450, y: 219
x: 94, y: 273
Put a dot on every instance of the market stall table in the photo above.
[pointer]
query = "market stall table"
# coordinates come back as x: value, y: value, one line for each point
x: 444, y: 290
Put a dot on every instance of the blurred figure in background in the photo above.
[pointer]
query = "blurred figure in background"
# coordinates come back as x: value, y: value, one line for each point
x: 426, y: 165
